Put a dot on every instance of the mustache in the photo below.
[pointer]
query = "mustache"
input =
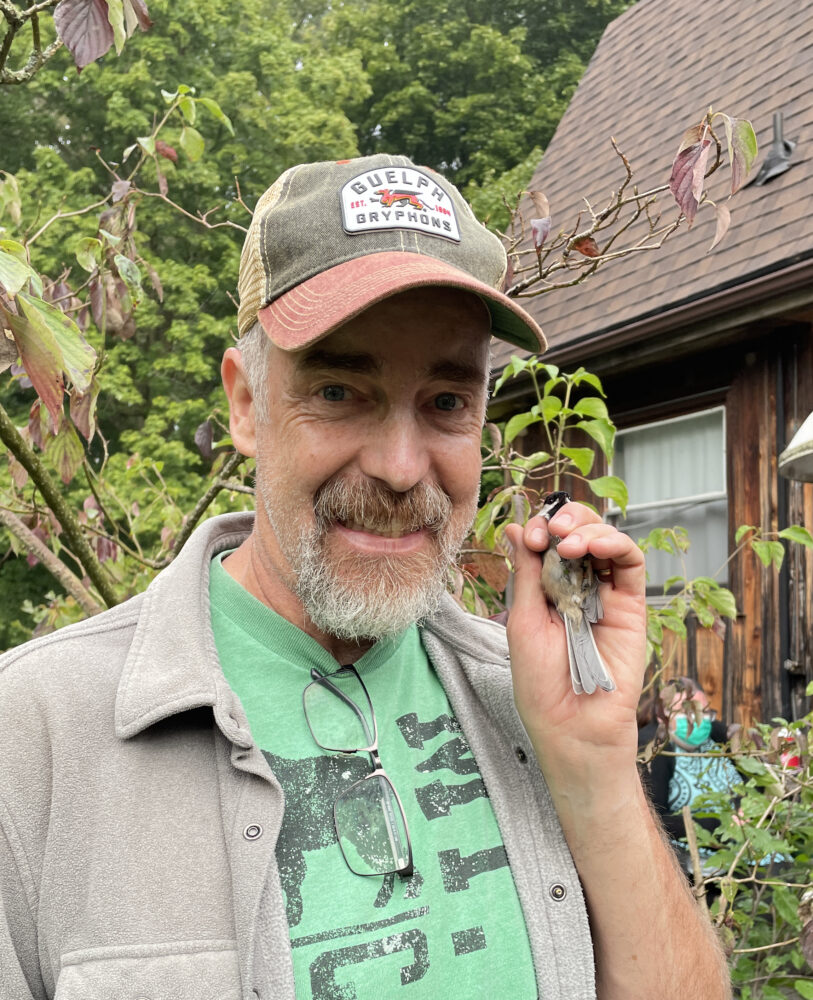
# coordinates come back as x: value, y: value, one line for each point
x: 362, y: 501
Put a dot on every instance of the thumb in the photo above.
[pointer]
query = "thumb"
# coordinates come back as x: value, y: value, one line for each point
x: 528, y: 593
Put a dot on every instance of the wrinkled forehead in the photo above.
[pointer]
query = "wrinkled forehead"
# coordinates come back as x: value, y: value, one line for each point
x: 436, y: 332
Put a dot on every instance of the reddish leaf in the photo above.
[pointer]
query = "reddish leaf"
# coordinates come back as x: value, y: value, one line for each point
x: 491, y: 567
x: 42, y: 361
x: 719, y: 627
x: 723, y: 222
x: 17, y: 471
x: 138, y: 10
x: 120, y: 189
x: 84, y: 27
x: 35, y: 424
x: 83, y: 410
x: 204, y: 438
x: 106, y: 549
x: 508, y: 280
x: 8, y: 351
x: 163, y: 185
x: 155, y: 281
x: 541, y: 231
x: 164, y: 149
x: 689, y: 171
x: 587, y: 246
x: 65, y: 451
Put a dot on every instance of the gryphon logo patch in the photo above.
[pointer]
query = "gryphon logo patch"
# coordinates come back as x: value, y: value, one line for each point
x: 398, y: 198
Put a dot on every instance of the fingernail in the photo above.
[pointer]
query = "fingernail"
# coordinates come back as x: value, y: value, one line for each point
x: 537, y: 536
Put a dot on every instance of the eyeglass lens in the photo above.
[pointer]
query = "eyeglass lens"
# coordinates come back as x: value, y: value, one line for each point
x: 371, y: 827
x: 370, y: 822
x: 339, y: 713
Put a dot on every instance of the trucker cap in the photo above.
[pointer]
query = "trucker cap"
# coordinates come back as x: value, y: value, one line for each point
x: 328, y: 240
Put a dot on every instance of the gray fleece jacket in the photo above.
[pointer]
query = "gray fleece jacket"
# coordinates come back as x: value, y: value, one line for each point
x: 138, y: 820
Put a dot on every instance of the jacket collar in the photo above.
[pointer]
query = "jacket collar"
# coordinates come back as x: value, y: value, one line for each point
x: 172, y: 665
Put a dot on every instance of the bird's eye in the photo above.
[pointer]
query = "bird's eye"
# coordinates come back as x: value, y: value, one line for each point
x: 448, y: 401
x: 333, y: 393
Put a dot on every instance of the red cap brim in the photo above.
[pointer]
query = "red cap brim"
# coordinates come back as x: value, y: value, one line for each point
x: 318, y: 306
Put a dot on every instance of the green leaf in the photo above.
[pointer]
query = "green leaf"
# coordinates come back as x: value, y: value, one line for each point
x: 602, y: 431
x: 612, y: 488
x: 130, y: 275
x: 188, y: 110
x: 65, y: 452
x: 89, y: 253
x: 115, y: 15
x: 191, y: 142
x: 533, y: 461
x: 77, y: 356
x: 809, y: 689
x: 582, y: 376
x: 804, y: 987
x: 549, y: 408
x: 742, y: 149
x: 216, y: 111
x: 750, y: 765
x: 787, y: 905
x: 169, y: 98
x: 591, y: 406
x: 723, y: 601
x: 147, y: 143
x: 13, y: 273
x: 796, y: 533
x: 768, y: 552
x: 742, y: 531
x: 517, y: 424
x: 582, y: 458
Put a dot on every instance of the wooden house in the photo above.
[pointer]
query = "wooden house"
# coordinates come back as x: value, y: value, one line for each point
x: 706, y: 357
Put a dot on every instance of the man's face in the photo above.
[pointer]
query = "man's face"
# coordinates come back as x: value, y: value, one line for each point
x: 368, y: 461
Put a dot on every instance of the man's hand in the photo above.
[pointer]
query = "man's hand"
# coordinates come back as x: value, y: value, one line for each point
x: 565, y: 727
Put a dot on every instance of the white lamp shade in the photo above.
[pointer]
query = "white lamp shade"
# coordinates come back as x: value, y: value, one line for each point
x: 796, y: 461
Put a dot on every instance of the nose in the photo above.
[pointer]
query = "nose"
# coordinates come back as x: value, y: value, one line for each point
x: 396, y: 453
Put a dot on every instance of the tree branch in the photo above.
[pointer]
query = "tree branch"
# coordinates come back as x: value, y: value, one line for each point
x: 205, y: 501
x: 72, y: 584
x: 53, y: 496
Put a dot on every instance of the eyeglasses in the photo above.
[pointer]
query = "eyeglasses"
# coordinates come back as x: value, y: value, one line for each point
x: 368, y: 816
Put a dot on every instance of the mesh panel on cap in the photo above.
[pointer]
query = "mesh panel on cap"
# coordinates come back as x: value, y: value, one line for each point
x: 251, y: 279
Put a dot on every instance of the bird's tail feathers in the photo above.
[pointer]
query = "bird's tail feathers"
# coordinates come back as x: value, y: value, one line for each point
x: 587, y: 669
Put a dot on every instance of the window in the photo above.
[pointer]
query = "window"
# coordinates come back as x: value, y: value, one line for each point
x: 675, y: 472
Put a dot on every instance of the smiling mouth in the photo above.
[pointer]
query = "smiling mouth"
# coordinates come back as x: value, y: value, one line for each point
x: 393, y: 529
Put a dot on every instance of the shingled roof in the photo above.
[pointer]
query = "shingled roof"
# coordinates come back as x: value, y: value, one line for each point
x: 657, y: 69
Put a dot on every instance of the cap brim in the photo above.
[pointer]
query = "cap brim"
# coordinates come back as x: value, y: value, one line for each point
x: 318, y: 306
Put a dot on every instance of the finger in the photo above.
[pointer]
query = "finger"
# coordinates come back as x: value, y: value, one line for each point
x: 535, y: 534
x: 572, y: 516
x: 528, y: 591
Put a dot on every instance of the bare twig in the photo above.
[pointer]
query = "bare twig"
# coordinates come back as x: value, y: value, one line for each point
x: 200, y: 218
x: 697, y: 867
x: 53, y: 496
x: 72, y: 584
x: 205, y: 501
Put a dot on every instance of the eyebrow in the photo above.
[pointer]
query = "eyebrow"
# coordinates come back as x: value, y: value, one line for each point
x: 362, y: 363
x: 321, y: 359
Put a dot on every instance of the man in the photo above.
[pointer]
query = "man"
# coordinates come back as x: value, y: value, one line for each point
x: 293, y: 767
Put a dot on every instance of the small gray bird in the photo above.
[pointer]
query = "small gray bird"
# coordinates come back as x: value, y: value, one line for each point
x: 572, y: 586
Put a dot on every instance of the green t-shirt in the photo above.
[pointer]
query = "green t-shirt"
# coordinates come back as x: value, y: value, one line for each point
x: 456, y: 925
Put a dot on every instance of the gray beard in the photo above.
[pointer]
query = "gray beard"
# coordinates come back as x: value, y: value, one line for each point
x: 379, y: 601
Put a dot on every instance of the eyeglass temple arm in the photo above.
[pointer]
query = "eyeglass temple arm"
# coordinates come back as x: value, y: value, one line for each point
x: 325, y: 681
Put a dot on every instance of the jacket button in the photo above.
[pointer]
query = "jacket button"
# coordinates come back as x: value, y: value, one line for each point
x: 521, y: 755
x: 253, y: 831
x: 557, y: 891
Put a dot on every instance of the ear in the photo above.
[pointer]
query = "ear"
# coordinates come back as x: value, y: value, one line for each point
x: 242, y: 418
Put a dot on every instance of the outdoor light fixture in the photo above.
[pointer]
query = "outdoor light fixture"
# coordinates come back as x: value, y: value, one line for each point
x: 796, y: 461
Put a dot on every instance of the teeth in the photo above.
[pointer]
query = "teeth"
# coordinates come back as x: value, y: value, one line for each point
x: 393, y: 530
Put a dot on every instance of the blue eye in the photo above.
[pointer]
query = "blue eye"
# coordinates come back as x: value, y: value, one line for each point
x: 333, y: 393
x: 448, y: 401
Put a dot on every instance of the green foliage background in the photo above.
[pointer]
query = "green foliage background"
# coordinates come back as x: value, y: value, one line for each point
x: 471, y: 88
